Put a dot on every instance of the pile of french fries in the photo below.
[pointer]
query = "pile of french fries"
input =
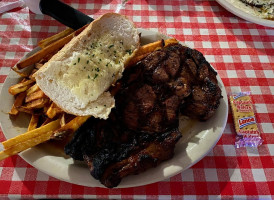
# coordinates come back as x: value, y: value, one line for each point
x: 48, y: 121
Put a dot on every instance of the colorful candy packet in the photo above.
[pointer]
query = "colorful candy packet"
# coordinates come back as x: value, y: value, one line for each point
x: 248, y: 134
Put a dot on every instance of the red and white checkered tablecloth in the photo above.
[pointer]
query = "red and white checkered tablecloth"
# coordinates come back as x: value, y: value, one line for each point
x: 241, y: 52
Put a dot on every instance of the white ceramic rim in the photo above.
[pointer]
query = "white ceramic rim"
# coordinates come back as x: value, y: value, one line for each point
x: 242, y: 14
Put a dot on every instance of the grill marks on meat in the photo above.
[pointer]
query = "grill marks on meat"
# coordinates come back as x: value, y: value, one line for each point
x: 140, y: 153
x: 142, y: 130
x: 172, y: 78
x: 152, y: 155
x: 206, y: 94
x: 150, y: 101
x: 146, y: 98
x: 114, y: 152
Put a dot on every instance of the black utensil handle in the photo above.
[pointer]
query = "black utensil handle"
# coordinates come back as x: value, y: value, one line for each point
x: 64, y: 13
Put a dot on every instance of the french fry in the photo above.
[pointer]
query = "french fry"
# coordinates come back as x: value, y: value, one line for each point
x: 3, y: 155
x: 46, y: 107
x: 25, y: 110
x: 23, y: 80
x: 33, y: 122
x: 47, y: 50
x: 20, y: 87
x: 53, y: 110
x: 143, y: 51
x: 171, y: 41
x: 36, y: 95
x: 28, y: 139
x: 38, y: 103
x: 38, y: 65
x: 63, y: 120
x: 48, y: 120
x: 14, y: 111
x: 31, y: 74
x: 54, y: 38
x: 33, y: 89
x: 30, y: 99
x: 70, y: 127
x: 19, y: 73
x: 150, y: 47
x: 50, y: 127
x: 17, y: 103
x: 42, y: 53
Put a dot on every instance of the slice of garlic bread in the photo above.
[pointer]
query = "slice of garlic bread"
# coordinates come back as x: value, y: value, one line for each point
x: 78, y: 76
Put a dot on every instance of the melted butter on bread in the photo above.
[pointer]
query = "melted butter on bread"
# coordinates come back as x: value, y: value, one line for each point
x: 96, y: 67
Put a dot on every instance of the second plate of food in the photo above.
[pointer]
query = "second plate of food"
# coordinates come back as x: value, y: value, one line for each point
x: 254, y: 12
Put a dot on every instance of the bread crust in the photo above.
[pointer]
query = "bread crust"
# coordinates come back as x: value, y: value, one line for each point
x: 67, y: 50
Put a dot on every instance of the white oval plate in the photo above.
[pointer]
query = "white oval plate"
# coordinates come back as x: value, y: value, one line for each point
x: 198, y: 139
x: 228, y: 4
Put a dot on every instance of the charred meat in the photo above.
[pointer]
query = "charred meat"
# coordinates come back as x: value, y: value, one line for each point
x: 113, y: 152
x: 142, y: 130
x: 175, y: 77
x: 205, y: 93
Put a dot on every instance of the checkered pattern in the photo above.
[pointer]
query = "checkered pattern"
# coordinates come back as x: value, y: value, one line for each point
x: 240, y: 51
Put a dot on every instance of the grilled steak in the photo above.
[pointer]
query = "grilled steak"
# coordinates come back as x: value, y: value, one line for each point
x: 142, y: 130
x: 149, y: 154
x: 205, y: 93
x: 154, y: 90
x: 113, y: 152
